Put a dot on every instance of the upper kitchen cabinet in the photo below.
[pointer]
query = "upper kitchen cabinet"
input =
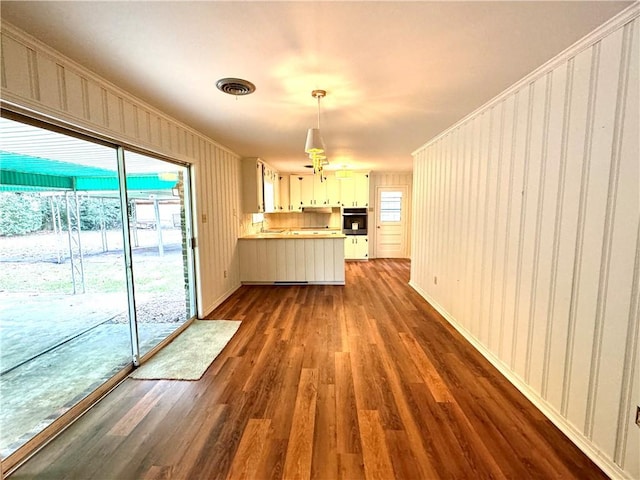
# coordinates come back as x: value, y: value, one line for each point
x: 252, y: 185
x: 307, y: 194
x: 314, y: 191
x: 327, y: 191
x: 295, y: 193
x: 270, y: 189
x: 354, y: 191
x: 283, y: 194
x: 259, y: 186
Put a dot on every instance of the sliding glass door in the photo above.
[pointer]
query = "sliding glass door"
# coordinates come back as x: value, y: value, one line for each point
x: 160, y: 234
x: 64, y: 322
x: 71, y: 315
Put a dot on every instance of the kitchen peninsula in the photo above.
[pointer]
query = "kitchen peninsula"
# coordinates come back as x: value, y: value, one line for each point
x: 301, y: 239
x: 292, y: 257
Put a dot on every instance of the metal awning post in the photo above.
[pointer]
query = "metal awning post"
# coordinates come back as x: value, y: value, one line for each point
x: 103, y: 229
x: 75, y: 245
x: 57, y: 226
x: 156, y: 209
x: 133, y: 221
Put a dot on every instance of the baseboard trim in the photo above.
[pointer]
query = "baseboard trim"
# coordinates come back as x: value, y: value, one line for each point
x: 605, y: 463
x: 218, y: 301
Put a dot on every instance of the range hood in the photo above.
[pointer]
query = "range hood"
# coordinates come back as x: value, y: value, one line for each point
x: 317, y: 209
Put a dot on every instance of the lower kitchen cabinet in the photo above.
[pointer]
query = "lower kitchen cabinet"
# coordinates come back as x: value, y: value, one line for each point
x: 292, y: 260
x: 356, y: 247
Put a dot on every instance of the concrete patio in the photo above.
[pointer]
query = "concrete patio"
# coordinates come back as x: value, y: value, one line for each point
x: 51, y: 361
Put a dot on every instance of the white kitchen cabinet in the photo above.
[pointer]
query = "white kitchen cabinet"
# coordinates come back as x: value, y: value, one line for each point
x: 319, y: 193
x: 354, y: 191
x: 259, y: 186
x: 314, y: 191
x: 362, y: 189
x: 332, y: 190
x: 270, y: 189
x: 306, y: 190
x: 284, y: 196
x: 252, y: 185
x: 301, y: 189
x: 356, y: 247
x: 277, y: 204
x: 295, y: 192
x: 326, y: 192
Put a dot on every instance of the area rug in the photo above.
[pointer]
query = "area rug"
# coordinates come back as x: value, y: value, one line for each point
x: 189, y: 355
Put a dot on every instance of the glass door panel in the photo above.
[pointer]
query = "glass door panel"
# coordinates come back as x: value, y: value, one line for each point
x: 64, y: 323
x: 391, y: 222
x: 160, y: 233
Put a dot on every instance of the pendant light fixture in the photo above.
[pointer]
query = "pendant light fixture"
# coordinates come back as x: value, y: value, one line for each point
x: 344, y: 173
x: 314, y: 146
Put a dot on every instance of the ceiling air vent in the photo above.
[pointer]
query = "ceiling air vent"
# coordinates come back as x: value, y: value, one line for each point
x: 235, y: 86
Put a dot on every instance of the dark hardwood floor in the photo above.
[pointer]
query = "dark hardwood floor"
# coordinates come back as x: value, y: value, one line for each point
x: 360, y: 381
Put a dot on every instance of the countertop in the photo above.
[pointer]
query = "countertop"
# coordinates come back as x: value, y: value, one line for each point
x: 296, y: 233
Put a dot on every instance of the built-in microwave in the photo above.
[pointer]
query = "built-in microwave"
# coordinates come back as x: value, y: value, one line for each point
x: 354, y: 221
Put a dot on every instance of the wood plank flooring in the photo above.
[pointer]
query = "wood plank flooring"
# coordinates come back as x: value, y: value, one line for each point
x: 322, y: 382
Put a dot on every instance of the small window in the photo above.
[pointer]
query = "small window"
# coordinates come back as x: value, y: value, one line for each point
x: 269, y: 198
x: 390, y: 206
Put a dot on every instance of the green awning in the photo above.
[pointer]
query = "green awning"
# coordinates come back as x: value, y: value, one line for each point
x: 26, y: 173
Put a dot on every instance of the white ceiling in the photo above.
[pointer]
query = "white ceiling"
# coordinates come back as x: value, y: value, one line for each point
x: 396, y: 73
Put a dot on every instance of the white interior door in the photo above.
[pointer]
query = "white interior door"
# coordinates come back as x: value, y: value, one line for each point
x: 391, y: 218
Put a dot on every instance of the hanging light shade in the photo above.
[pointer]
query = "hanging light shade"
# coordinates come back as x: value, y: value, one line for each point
x: 314, y: 142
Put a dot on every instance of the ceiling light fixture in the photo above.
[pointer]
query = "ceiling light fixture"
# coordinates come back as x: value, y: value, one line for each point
x: 314, y: 146
x: 344, y: 173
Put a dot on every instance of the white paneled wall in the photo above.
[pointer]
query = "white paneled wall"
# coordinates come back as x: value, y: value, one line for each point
x: 40, y: 82
x: 526, y: 237
x: 389, y: 179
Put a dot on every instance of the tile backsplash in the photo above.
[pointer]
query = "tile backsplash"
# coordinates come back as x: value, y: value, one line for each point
x: 303, y: 219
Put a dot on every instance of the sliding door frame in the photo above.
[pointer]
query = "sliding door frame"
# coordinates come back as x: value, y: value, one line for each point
x: 29, y: 117
x: 128, y: 257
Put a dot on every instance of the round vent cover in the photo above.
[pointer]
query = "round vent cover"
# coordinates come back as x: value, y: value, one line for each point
x: 235, y: 86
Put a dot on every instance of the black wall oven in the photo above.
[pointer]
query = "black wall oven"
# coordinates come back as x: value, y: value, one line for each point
x: 354, y: 221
